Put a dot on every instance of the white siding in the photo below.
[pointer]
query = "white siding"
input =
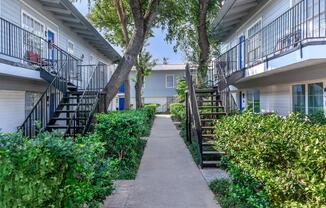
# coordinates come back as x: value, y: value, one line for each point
x: 276, y: 99
x: 11, y: 10
x: 269, y: 12
x: 12, y: 110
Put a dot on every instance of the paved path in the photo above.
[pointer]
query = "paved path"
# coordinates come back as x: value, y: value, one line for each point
x: 168, y: 177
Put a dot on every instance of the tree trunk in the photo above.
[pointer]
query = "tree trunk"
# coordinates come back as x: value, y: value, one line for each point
x: 203, y: 42
x: 127, y: 94
x: 127, y: 62
x: 142, y: 25
x: 138, y: 88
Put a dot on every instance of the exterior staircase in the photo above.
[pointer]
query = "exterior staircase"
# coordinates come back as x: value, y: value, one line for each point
x: 72, y: 97
x: 203, y: 107
x: 210, y: 109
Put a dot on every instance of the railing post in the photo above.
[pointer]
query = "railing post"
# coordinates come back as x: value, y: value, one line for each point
x: 188, y: 120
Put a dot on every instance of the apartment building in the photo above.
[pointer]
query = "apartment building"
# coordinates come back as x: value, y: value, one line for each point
x: 272, y: 55
x: 160, y: 86
x: 53, y: 67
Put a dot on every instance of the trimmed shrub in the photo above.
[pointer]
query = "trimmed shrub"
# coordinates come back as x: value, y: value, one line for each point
x: 121, y: 132
x: 283, y: 157
x: 151, y: 110
x: 49, y: 171
x: 177, y: 111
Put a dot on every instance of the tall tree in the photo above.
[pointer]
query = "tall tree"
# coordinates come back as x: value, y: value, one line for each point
x: 126, y: 23
x: 144, y: 66
x: 192, y: 32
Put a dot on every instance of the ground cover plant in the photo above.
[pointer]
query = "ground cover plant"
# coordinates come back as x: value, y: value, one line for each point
x: 51, y: 171
x: 274, y: 161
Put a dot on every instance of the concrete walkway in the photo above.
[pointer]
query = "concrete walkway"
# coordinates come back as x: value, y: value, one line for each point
x: 168, y: 176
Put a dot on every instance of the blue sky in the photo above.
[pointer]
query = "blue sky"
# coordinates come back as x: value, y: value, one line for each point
x: 157, y: 46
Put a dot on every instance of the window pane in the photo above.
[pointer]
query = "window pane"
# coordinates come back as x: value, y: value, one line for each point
x: 256, y: 101
x: 170, y: 81
x: 298, y: 99
x: 315, y: 98
x: 253, y: 100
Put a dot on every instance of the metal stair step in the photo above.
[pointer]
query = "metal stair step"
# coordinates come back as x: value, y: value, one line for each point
x: 208, y: 135
x: 61, y: 126
x: 211, y: 163
x: 212, y: 113
x: 70, y: 111
x: 210, y: 106
x: 207, y: 90
x: 67, y: 119
x: 211, y: 153
x: 208, y: 127
x: 75, y: 104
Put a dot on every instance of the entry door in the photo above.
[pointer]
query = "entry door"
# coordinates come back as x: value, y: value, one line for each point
x: 121, y: 103
x: 52, y: 104
x: 240, y: 101
x: 51, y: 39
x: 242, y: 52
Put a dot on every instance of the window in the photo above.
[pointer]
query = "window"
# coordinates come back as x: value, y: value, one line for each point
x: 31, y: 99
x: 32, y: 42
x: 70, y: 48
x: 254, y: 43
x: 169, y: 81
x: 253, y: 100
x: 315, y: 98
x: 299, y: 98
x: 308, y: 98
x: 33, y: 25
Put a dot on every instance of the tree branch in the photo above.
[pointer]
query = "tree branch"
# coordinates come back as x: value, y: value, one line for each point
x: 122, y: 19
x: 136, y: 13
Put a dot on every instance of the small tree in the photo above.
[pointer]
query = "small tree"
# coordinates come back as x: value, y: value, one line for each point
x: 189, y: 26
x: 144, y: 68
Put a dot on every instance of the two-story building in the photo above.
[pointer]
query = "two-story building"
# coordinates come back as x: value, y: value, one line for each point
x: 160, y: 86
x: 273, y: 54
x: 48, y: 50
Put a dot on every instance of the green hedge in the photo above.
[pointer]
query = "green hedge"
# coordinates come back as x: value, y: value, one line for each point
x: 52, y: 171
x: 177, y: 111
x: 284, y: 156
x: 121, y: 132
x: 49, y: 171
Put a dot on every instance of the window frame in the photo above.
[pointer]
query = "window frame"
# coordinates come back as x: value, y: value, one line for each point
x: 166, y: 81
x: 250, y: 94
x: 306, y: 84
x: 73, y: 47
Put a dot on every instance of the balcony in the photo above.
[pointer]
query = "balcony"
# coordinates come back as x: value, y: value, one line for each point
x: 302, y: 25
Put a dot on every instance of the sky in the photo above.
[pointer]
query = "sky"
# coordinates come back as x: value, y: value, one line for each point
x: 156, y: 45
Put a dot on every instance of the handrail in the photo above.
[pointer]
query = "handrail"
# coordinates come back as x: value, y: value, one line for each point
x: 194, y: 110
x: 89, y: 99
x: 302, y: 23
x: 45, y: 107
x: 18, y: 43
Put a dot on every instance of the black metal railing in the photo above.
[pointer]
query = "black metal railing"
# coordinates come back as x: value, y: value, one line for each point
x: 302, y: 24
x: 192, y: 114
x: 89, y: 100
x: 49, y: 101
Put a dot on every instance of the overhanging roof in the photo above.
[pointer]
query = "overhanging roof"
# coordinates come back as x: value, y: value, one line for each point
x: 232, y: 14
x: 72, y: 18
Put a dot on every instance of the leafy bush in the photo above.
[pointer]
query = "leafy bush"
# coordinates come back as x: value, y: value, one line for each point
x: 181, y: 90
x: 49, y: 171
x: 121, y: 132
x: 283, y: 157
x: 317, y: 118
x: 151, y: 110
x: 177, y: 111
